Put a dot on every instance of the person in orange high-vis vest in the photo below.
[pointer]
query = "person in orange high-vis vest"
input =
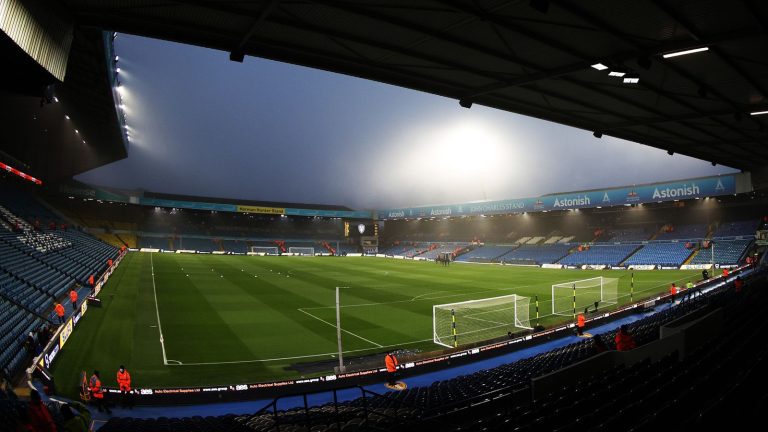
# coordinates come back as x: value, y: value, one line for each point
x: 124, y: 383
x: 580, y: 322
x: 97, y: 393
x: 90, y: 280
x: 73, y: 298
x: 59, y: 309
x: 390, y: 361
x: 109, y: 263
x: 673, y: 291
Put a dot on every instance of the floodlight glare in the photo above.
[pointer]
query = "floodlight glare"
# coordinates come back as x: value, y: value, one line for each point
x: 616, y: 73
x: 758, y: 113
x: 599, y: 66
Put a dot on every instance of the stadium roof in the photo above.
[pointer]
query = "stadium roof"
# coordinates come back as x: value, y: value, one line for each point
x: 530, y: 57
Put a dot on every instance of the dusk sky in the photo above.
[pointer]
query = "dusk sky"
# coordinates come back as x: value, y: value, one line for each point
x: 262, y: 130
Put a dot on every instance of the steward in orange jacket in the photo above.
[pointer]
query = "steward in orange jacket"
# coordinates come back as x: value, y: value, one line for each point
x: 59, y: 312
x: 73, y: 298
x: 97, y: 394
x: 124, y: 383
x: 580, y: 323
x: 390, y: 361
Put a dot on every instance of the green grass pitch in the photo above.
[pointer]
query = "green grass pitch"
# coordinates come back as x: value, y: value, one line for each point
x: 235, y: 319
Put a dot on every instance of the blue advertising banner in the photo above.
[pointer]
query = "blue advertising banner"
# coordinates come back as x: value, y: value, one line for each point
x: 657, y: 192
x: 192, y: 205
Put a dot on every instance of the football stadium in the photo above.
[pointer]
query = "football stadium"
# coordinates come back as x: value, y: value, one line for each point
x: 348, y: 216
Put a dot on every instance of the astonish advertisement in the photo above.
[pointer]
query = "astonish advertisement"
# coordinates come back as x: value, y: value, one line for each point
x: 656, y: 192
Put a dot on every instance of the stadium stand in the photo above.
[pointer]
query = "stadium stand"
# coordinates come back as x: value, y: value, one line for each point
x: 37, y: 267
x: 663, y: 254
x: 726, y: 252
x: 485, y: 254
x: 436, y: 249
x: 600, y: 255
x: 629, y: 234
x: 682, y: 232
x: 535, y: 240
x: 546, y: 253
x: 348, y: 249
x: 736, y: 229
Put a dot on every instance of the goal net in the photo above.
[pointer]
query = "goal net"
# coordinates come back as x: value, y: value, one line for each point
x: 569, y: 298
x: 301, y: 250
x: 468, y: 322
x: 266, y: 250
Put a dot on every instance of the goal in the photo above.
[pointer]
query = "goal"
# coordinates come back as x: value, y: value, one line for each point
x: 266, y: 250
x: 569, y: 298
x: 301, y: 250
x: 473, y: 321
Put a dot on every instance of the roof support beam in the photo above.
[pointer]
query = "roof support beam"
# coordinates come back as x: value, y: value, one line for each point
x: 237, y: 54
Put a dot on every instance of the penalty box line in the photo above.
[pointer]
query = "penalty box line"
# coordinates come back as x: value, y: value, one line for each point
x: 345, y: 331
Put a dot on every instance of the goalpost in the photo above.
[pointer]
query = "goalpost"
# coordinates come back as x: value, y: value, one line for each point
x: 455, y: 324
x: 265, y: 250
x: 301, y: 250
x: 569, y: 298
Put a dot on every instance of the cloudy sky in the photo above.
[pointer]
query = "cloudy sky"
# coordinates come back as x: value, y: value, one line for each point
x: 262, y: 130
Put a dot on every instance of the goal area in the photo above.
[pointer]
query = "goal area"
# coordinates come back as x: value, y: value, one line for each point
x: 301, y: 251
x: 569, y: 298
x: 265, y: 250
x: 468, y: 322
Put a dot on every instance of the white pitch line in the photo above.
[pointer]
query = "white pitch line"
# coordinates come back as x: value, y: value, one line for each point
x: 157, y: 310
x: 298, y: 357
x: 345, y: 331
x: 419, y: 299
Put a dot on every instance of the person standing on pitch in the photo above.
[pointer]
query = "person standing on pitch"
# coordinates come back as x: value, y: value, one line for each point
x: 124, y: 384
x: 390, y: 361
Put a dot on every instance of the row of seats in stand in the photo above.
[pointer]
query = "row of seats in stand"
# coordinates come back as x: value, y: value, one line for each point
x: 487, y: 253
x: 15, y: 324
x: 665, y: 254
x: 723, y: 252
x: 600, y: 254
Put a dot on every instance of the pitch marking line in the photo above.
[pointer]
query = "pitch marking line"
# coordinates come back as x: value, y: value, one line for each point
x: 345, y: 331
x: 157, y: 311
x: 328, y: 354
